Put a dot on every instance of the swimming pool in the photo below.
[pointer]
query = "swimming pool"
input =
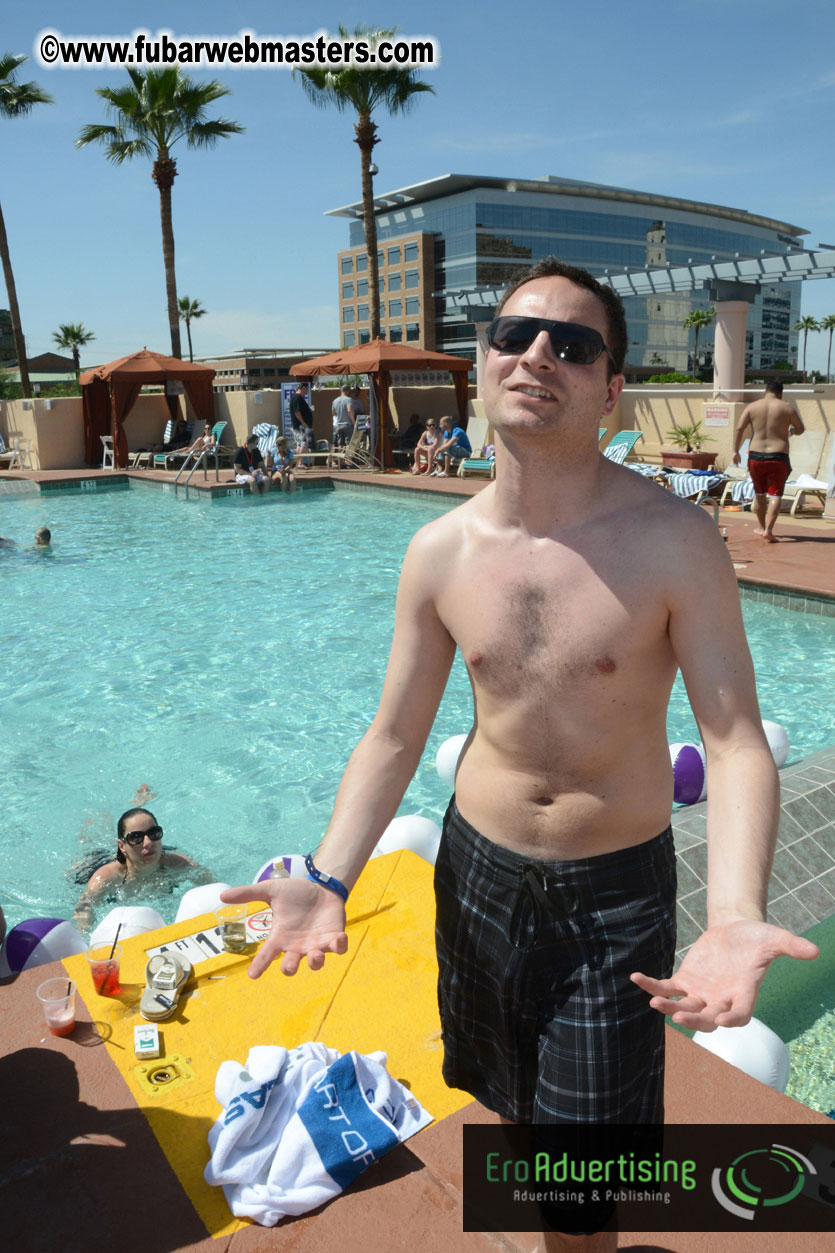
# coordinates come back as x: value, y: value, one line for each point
x: 230, y: 655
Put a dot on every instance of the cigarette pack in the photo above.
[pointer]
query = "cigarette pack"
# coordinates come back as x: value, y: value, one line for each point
x: 146, y: 1041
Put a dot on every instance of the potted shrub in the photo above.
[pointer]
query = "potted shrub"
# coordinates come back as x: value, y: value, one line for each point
x: 686, y: 454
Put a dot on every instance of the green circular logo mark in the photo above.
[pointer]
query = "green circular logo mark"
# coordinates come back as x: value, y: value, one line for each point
x: 761, y: 1178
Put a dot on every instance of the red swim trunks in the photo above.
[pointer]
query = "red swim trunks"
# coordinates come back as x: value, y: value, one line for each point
x: 769, y: 474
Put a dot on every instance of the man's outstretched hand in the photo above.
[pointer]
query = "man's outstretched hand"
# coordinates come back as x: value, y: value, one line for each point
x: 716, y: 984
x: 308, y: 921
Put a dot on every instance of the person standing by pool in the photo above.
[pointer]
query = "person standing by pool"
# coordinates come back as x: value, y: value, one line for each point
x: 344, y: 418
x: 563, y: 584
x: 139, y: 859
x: 772, y: 421
x: 301, y: 416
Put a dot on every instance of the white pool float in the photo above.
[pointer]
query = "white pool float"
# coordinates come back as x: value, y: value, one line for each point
x: 778, y: 742
x: 200, y: 900
x: 411, y: 831
x: 754, y: 1048
x: 446, y: 758
x: 127, y: 920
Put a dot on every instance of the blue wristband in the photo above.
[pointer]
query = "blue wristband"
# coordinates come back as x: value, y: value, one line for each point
x: 324, y: 880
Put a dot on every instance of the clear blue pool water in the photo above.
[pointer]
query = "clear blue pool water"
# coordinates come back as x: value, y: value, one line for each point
x: 230, y: 656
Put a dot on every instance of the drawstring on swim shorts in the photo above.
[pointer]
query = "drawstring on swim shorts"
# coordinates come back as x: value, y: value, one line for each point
x: 554, y: 900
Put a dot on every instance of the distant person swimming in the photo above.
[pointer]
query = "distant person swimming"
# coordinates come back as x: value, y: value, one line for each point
x: 140, y: 858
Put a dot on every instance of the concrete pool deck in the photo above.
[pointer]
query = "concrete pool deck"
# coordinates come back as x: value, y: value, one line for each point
x: 80, y: 1167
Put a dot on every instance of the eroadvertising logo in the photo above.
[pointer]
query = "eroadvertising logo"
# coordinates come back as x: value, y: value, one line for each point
x: 672, y: 1178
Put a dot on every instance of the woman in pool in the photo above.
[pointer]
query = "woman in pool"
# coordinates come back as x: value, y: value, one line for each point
x: 140, y: 857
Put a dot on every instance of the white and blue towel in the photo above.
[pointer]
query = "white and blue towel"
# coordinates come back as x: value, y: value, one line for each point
x: 299, y: 1125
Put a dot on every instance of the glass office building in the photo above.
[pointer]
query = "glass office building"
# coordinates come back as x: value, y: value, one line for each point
x: 484, y: 229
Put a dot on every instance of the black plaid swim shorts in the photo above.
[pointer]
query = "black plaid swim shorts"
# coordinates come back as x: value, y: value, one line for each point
x: 540, y: 1020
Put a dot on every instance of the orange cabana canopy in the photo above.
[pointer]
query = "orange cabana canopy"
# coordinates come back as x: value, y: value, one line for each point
x: 109, y: 392
x: 379, y: 359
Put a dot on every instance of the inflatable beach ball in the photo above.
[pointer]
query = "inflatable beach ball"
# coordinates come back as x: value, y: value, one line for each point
x: 38, y: 941
x: 127, y: 920
x: 689, y: 777
x: 289, y: 866
x: 202, y: 900
x: 446, y: 758
x: 778, y: 742
x: 421, y: 835
x: 754, y: 1048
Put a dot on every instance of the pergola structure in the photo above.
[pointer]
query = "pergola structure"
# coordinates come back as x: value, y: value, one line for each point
x: 732, y: 285
x: 109, y: 392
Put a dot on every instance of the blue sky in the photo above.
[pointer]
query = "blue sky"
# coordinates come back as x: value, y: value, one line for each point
x: 727, y: 101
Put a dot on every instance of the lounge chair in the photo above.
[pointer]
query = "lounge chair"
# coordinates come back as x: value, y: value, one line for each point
x: 601, y: 431
x: 18, y: 455
x: 267, y: 435
x: 354, y: 456
x: 620, y: 445
x: 162, y: 458
x: 483, y: 464
x: 692, y: 486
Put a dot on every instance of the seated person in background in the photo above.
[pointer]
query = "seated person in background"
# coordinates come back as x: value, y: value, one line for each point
x: 426, y: 448
x: 454, y: 447
x: 409, y: 438
x: 281, y: 462
x: 249, y: 466
x: 140, y: 857
x: 204, y: 442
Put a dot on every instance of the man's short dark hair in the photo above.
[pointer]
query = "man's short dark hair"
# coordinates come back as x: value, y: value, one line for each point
x: 775, y: 386
x: 552, y: 267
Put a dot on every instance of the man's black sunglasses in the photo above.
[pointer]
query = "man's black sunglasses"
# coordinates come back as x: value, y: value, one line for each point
x: 571, y: 341
x: 136, y: 837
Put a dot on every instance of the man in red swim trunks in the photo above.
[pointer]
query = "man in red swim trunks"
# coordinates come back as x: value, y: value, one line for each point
x: 772, y: 421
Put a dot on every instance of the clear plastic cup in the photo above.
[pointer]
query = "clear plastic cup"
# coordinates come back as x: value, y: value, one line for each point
x: 231, y: 926
x: 57, y: 998
x: 104, y: 961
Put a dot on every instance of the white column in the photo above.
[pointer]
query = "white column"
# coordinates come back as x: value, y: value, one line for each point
x: 480, y: 354
x: 729, y: 350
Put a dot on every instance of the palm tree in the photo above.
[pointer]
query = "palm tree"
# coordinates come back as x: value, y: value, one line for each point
x: 363, y: 91
x: 189, y: 309
x: 71, y: 336
x: 698, y: 319
x: 828, y: 324
x: 157, y: 109
x: 805, y: 325
x: 16, y: 100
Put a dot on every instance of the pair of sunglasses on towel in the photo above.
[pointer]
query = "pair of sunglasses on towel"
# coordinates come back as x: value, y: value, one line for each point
x: 570, y: 341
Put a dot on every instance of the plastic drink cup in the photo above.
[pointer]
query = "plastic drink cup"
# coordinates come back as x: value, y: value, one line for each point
x: 231, y: 925
x: 57, y: 998
x: 104, y: 968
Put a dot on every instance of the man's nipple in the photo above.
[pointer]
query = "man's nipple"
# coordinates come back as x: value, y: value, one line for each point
x: 476, y: 658
x: 605, y: 665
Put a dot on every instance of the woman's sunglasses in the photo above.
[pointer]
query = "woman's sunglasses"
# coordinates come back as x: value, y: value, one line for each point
x: 135, y: 838
x: 570, y: 341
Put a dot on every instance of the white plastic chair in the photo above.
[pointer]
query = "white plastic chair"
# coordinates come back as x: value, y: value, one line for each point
x: 107, y: 450
x: 18, y: 455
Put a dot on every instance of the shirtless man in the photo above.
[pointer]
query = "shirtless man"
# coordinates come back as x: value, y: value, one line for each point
x: 772, y: 421
x: 574, y: 589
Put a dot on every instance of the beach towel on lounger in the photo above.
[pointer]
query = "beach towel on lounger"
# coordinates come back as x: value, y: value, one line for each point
x: 299, y: 1125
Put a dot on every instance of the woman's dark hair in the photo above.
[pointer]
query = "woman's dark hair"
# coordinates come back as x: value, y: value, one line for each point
x: 120, y: 828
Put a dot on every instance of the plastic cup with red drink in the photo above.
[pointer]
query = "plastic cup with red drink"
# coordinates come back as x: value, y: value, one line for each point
x: 57, y: 998
x: 104, y: 968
